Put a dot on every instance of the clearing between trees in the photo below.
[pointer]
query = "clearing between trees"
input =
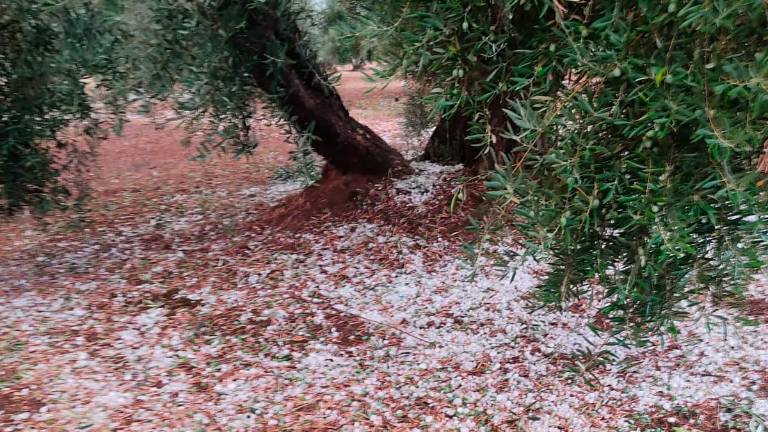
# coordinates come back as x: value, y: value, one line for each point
x: 207, y: 296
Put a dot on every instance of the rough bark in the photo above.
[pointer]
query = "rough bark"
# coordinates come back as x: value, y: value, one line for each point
x: 348, y: 145
x: 498, y: 123
x: 448, y: 144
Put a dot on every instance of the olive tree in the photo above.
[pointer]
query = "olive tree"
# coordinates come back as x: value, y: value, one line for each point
x: 631, y: 134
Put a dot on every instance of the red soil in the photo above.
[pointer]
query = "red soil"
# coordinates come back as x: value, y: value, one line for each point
x: 148, y: 163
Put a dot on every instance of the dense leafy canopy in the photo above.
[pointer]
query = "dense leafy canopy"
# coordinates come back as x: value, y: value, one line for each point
x: 637, y: 129
x: 41, y: 93
x: 215, y: 60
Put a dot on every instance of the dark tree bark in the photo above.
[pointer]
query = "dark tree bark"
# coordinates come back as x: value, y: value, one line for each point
x: 498, y: 123
x: 287, y: 72
x: 448, y: 143
x: 348, y: 145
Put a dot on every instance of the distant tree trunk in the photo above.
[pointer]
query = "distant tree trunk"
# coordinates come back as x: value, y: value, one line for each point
x: 448, y: 143
x: 286, y: 71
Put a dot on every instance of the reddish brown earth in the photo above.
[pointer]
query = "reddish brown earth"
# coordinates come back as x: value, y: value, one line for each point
x: 151, y: 158
x: 148, y: 163
x: 180, y: 257
x: 144, y: 181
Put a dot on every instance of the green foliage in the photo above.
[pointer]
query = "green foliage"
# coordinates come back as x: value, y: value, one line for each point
x: 642, y: 171
x: 466, y: 52
x: 41, y: 92
x: 181, y: 51
x: 417, y: 119
x: 304, y: 166
x: 635, y: 129
x: 221, y: 62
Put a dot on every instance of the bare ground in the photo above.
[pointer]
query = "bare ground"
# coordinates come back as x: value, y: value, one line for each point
x: 196, y: 296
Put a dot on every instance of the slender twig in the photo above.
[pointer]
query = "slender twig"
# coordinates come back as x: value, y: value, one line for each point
x: 384, y: 324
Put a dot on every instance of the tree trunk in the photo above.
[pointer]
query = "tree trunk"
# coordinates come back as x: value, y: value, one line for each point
x: 448, y: 143
x: 293, y: 80
x: 348, y: 145
x: 498, y: 123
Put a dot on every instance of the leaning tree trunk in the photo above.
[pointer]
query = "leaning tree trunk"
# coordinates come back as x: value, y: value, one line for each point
x: 345, y: 143
x: 287, y: 72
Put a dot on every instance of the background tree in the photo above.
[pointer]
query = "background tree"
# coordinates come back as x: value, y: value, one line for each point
x: 232, y: 53
x: 215, y: 58
x: 41, y: 93
x: 341, y: 38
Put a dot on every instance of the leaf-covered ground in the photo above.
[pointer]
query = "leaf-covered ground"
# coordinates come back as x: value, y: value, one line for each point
x: 172, y: 307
